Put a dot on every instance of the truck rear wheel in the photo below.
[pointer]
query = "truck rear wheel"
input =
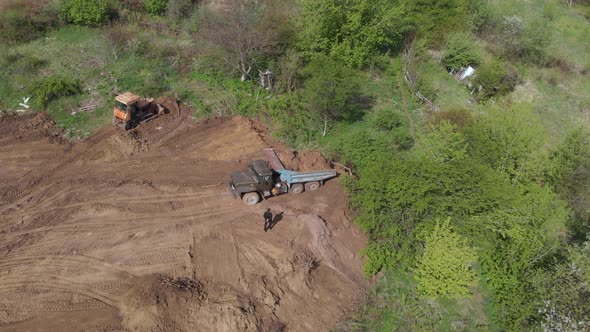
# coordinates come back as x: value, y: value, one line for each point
x: 296, y: 189
x: 251, y: 198
x: 311, y: 186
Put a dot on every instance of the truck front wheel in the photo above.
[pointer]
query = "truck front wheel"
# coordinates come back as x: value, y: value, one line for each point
x: 251, y: 198
x: 297, y: 189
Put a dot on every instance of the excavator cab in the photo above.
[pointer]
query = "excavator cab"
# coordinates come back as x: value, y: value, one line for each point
x: 125, y: 109
x: 130, y: 110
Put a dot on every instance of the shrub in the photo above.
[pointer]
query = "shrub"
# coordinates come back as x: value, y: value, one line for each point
x: 457, y: 117
x: 179, y: 8
x: 434, y: 19
x: 461, y: 51
x: 495, y: 78
x: 508, y: 36
x: 15, y: 28
x: 155, y: 7
x: 535, y: 41
x: 51, y: 88
x: 387, y: 120
x: 87, y: 12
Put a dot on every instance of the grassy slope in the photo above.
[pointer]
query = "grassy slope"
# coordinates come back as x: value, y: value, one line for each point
x: 559, y: 94
x: 84, y: 54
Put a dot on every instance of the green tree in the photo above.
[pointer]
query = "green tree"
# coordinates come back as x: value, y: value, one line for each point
x: 565, y: 290
x: 506, y: 139
x: 330, y: 91
x: 444, y: 270
x: 354, y: 31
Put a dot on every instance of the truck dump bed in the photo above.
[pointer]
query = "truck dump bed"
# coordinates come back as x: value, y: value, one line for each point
x: 301, y: 177
x: 273, y: 160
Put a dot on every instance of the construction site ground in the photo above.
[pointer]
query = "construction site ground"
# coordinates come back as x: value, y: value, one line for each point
x: 137, y: 231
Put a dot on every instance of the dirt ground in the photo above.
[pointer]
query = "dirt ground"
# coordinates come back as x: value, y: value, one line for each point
x: 137, y: 231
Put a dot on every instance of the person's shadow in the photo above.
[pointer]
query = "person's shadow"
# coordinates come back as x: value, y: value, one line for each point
x: 278, y: 217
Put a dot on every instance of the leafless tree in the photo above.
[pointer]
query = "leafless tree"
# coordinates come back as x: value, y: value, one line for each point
x: 244, y: 33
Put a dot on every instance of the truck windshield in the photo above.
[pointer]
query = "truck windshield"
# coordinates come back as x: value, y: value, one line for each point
x: 121, y: 107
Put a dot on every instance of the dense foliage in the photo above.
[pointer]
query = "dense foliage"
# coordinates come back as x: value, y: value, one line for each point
x: 354, y: 31
x: 445, y: 266
x: 87, y: 12
x: 155, y: 7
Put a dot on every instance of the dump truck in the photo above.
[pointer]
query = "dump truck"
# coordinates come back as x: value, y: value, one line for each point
x: 131, y: 110
x: 260, y: 181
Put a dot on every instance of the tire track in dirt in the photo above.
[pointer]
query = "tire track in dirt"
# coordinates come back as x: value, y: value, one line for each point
x: 140, y: 224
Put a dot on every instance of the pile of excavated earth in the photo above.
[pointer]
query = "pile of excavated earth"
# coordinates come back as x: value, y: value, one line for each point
x: 137, y: 231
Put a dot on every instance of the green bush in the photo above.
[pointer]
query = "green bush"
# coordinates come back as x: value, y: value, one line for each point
x: 495, y: 78
x: 461, y: 51
x: 155, y: 7
x: 51, y: 88
x: 87, y: 12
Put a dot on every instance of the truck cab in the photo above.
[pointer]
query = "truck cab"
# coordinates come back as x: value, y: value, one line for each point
x: 255, y: 182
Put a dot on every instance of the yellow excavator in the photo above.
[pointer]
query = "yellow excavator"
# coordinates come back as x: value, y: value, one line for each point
x: 131, y: 110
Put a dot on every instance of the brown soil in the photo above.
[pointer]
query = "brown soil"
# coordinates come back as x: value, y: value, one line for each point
x: 136, y: 231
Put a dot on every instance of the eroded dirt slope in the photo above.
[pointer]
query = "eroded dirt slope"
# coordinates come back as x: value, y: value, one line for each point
x: 136, y: 231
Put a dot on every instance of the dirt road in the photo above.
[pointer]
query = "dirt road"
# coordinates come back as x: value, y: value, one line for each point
x: 136, y: 231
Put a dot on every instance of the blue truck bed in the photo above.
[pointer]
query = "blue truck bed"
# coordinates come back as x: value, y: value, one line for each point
x: 301, y: 177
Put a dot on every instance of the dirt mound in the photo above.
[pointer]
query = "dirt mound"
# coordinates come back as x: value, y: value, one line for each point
x: 28, y: 127
x: 137, y: 231
x: 303, y: 161
x: 161, y: 303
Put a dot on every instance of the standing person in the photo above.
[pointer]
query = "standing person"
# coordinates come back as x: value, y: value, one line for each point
x: 267, y: 219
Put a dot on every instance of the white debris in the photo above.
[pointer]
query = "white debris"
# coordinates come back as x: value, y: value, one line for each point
x: 467, y: 72
x: 25, y: 102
